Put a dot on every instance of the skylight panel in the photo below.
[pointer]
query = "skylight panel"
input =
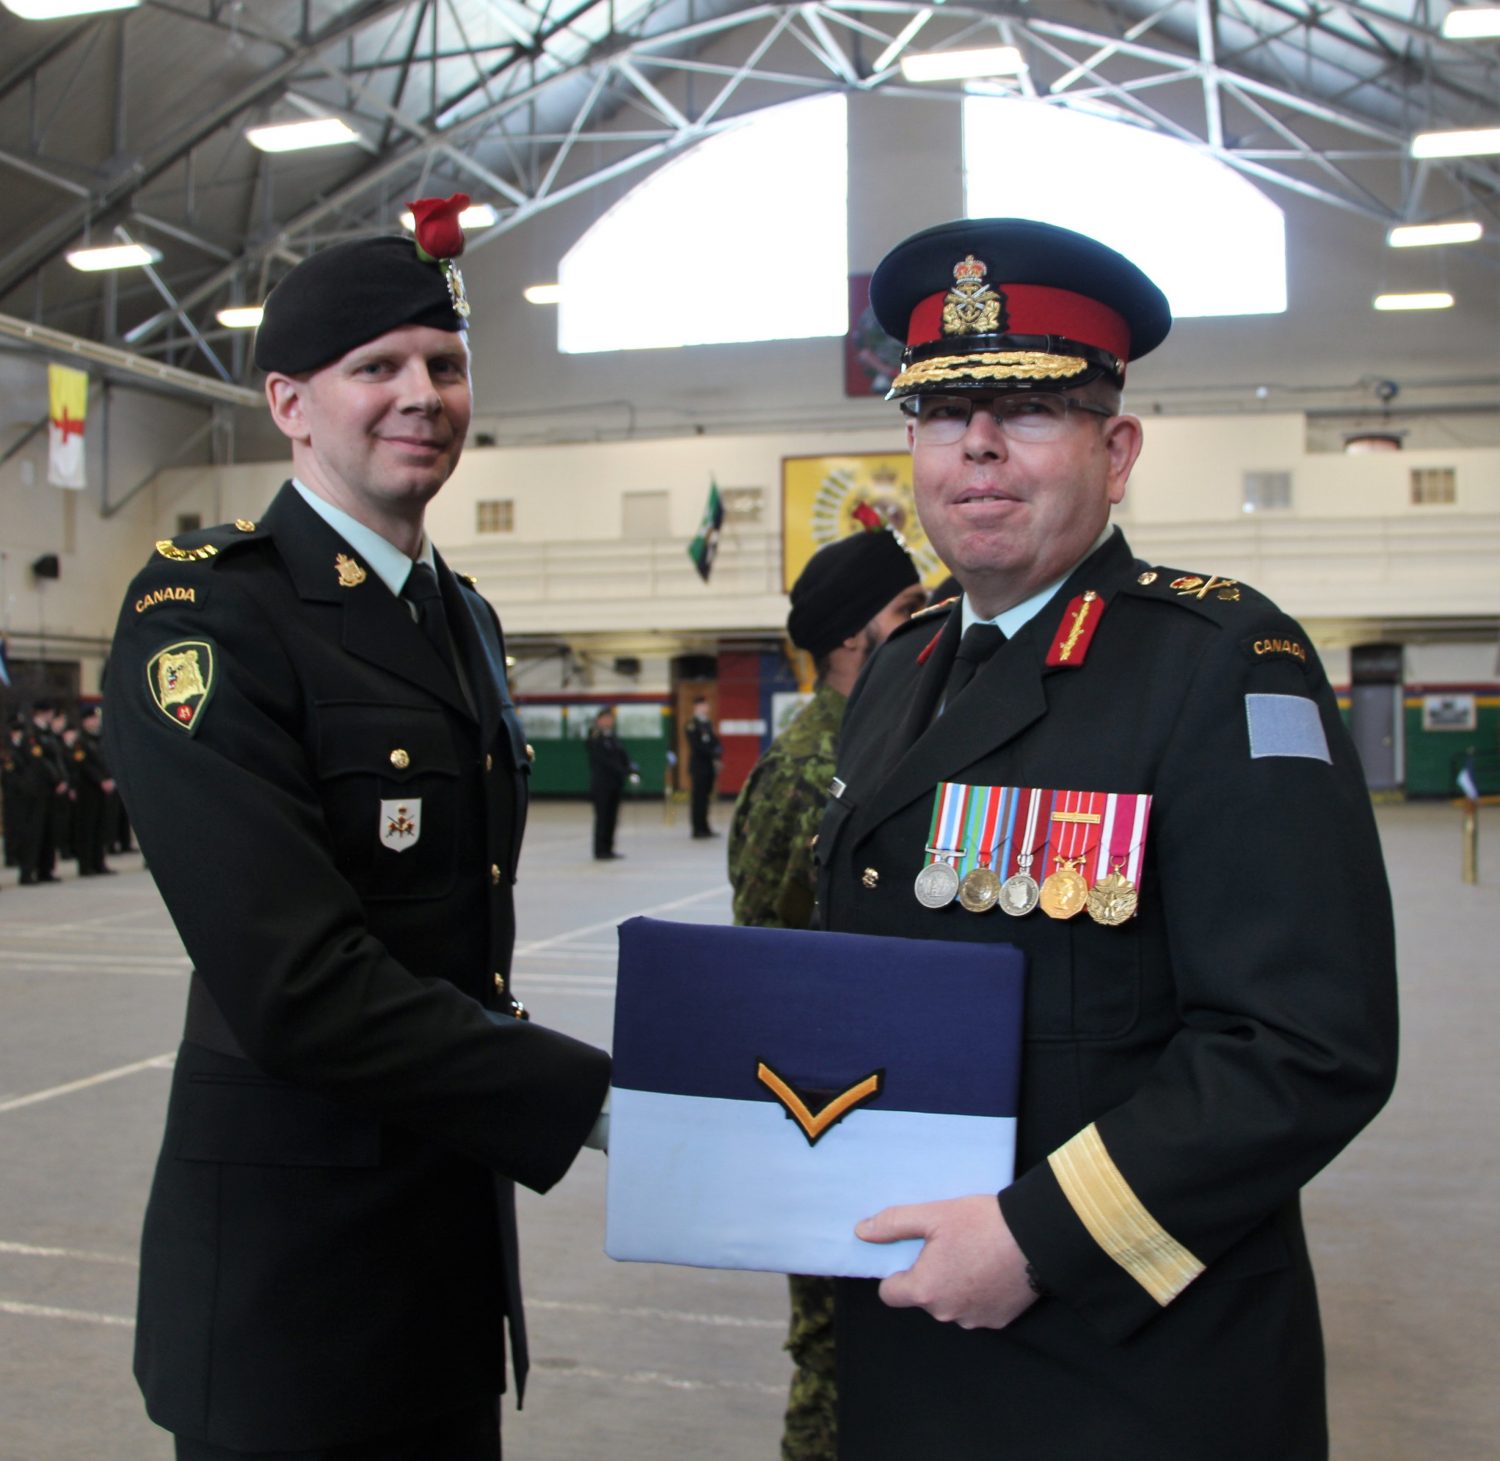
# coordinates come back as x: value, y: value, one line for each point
x: 697, y: 253
x: 1214, y: 243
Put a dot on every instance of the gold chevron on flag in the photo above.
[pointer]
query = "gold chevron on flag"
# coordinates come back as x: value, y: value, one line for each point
x: 68, y: 403
x: 814, y: 1124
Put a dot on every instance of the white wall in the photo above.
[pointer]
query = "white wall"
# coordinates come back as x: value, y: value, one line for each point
x: 1353, y: 547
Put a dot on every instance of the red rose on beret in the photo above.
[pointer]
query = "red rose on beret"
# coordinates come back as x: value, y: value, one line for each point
x: 437, y: 228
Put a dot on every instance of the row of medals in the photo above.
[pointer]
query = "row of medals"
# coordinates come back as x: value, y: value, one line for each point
x: 1063, y: 894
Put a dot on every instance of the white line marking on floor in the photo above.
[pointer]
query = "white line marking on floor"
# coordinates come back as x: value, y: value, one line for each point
x: 156, y: 1062
x: 73, y: 1255
x: 528, y: 948
x: 654, y: 1377
x: 78, y: 1316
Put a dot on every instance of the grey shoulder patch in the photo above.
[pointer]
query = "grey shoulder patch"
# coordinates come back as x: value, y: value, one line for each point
x: 1285, y: 725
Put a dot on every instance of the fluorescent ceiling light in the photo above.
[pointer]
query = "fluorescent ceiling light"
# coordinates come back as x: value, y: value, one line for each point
x: 294, y: 136
x: 1440, y: 300
x: 477, y: 215
x: 1424, y: 235
x: 240, y: 316
x: 113, y: 256
x: 1474, y: 23
x: 57, y: 9
x: 963, y: 65
x: 1466, y: 142
x: 543, y: 293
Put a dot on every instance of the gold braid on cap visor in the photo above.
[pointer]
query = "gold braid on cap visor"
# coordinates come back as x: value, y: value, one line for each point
x: 989, y: 365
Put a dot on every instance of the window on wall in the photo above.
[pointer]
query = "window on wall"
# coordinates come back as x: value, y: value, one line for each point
x: 1433, y: 486
x: 742, y: 238
x: 1213, y: 242
x: 495, y: 515
x: 1266, y: 491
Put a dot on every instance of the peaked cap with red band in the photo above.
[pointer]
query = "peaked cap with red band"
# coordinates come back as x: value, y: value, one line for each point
x: 1012, y: 304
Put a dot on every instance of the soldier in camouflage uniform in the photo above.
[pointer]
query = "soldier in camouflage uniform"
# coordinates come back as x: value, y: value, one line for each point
x: 850, y: 596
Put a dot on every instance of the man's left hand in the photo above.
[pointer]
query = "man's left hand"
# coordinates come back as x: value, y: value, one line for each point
x: 970, y: 1272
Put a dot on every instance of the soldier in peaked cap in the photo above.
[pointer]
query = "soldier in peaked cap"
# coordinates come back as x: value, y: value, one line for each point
x: 310, y: 724
x: 845, y: 602
x: 1099, y: 760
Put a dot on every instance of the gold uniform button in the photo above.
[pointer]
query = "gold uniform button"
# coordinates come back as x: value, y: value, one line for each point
x: 1146, y: 578
x: 399, y: 759
x: 871, y: 878
x: 499, y: 984
x: 495, y: 873
x: 489, y: 762
x: 530, y: 752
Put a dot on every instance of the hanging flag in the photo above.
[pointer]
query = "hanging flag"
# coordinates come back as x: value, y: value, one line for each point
x: 68, y: 392
x: 1466, y: 782
x: 705, y: 545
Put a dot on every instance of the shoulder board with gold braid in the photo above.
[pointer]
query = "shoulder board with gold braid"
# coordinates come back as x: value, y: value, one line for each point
x: 204, y: 544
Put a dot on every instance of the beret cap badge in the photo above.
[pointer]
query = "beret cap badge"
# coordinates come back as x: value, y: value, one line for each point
x: 440, y: 240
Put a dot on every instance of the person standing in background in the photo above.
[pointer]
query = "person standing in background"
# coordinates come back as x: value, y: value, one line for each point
x: 610, y: 767
x: 94, y: 786
x: 704, y: 752
x: 28, y: 794
x: 47, y: 748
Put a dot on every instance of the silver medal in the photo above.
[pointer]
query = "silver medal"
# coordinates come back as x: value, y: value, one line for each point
x: 1019, y: 894
x: 936, y: 885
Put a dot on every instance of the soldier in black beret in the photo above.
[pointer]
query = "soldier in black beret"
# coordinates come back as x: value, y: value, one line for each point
x: 1101, y: 762
x: 309, y: 720
x: 848, y: 598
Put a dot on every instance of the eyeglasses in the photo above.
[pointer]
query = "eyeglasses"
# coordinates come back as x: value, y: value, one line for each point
x: 941, y: 420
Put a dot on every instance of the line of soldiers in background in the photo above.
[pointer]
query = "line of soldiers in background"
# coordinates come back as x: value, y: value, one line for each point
x: 57, y: 797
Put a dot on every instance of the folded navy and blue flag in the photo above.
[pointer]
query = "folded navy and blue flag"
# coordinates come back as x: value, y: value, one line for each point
x: 771, y: 1087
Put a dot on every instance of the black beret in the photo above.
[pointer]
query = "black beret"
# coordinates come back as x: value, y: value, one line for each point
x: 345, y: 295
x: 990, y: 303
x: 845, y: 585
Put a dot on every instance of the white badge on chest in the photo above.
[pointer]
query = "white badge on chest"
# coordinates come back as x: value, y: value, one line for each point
x: 401, y: 823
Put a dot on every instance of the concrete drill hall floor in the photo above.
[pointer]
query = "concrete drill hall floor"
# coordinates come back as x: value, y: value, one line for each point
x: 644, y: 1363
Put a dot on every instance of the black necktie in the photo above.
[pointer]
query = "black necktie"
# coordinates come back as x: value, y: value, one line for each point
x: 980, y: 641
x: 423, y: 593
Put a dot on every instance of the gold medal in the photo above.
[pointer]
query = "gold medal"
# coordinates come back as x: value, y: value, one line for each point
x: 980, y: 890
x: 1065, y: 893
x: 1112, y: 900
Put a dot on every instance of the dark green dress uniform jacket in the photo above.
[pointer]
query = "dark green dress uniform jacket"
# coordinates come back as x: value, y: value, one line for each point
x: 1184, y: 1074
x: 328, y: 1253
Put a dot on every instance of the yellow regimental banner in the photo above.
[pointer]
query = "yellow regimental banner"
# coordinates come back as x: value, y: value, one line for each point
x: 821, y: 495
x: 68, y: 403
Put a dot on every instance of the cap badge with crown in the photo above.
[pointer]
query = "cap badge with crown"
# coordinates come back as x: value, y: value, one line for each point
x: 972, y: 306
